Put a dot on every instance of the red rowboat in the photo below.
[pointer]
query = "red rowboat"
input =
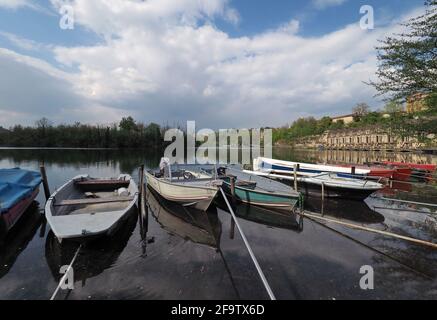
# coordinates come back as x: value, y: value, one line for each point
x: 374, y: 170
x: 427, y: 167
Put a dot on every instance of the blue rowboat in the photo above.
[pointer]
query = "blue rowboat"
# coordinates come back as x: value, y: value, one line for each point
x: 260, y: 191
x: 18, y: 189
x: 307, y: 169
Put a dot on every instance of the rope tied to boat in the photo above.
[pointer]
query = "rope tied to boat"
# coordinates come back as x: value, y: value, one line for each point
x: 70, y: 266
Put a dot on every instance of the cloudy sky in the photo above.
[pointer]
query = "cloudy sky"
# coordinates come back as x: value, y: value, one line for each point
x: 223, y: 63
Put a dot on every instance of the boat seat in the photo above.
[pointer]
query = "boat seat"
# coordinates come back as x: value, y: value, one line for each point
x: 75, y: 202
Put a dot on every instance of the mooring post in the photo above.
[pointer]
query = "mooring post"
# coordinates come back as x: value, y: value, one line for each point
x: 353, y: 171
x: 232, y: 230
x: 296, y: 167
x: 233, y: 189
x: 45, y: 183
x: 323, y: 191
x: 141, y: 181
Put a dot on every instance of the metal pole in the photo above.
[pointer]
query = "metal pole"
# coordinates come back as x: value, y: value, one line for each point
x: 45, y: 184
x: 255, y: 261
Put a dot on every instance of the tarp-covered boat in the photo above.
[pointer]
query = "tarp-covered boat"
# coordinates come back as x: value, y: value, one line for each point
x: 18, y: 189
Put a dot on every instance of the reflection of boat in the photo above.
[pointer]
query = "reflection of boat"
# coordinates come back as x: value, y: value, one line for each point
x: 186, y: 187
x: 18, y: 189
x: 188, y: 223
x: 88, y: 207
x: 289, y: 221
x: 94, y: 258
x: 259, y: 191
x: 355, y: 211
x: 18, y: 238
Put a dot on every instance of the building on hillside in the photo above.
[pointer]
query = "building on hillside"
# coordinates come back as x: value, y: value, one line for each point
x: 416, y: 103
x: 346, y: 118
x: 368, y: 138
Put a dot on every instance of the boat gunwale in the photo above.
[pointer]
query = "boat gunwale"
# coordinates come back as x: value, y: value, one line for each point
x: 162, y: 180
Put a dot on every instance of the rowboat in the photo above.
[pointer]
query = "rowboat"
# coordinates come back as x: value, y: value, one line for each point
x: 426, y: 167
x: 186, y: 222
x: 332, y: 185
x: 18, y: 189
x: 373, y: 171
x: 88, y: 207
x: 305, y: 169
x: 259, y: 191
x: 187, y: 187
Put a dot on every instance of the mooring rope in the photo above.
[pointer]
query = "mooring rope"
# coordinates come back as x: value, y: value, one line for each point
x: 255, y: 261
x: 360, y: 227
x: 406, y: 201
x: 66, y: 273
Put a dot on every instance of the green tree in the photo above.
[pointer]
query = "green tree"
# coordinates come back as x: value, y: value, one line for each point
x: 408, y: 61
x: 128, y: 124
x: 393, y: 107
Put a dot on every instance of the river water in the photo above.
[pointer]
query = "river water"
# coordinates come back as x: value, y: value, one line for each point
x: 183, y: 254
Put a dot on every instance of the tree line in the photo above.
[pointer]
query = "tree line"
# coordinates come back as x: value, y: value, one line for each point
x: 128, y: 133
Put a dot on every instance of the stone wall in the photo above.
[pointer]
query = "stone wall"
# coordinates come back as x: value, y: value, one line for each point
x: 369, y: 138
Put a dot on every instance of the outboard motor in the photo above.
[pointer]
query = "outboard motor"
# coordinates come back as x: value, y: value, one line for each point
x: 221, y: 171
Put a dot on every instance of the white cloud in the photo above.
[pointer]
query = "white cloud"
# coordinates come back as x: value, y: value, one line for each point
x: 322, y: 4
x: 23, y: 43
x: 15, y: 4
x: 165, y: 61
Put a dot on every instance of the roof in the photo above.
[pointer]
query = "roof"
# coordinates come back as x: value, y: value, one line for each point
x: 344, y: 116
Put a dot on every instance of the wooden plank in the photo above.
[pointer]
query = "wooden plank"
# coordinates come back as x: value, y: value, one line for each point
x: 75, y: 202
x: 102, y: 182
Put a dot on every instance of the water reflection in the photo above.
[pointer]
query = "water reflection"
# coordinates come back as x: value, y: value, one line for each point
x: 188, y: 223
x: 94, y: 258
x: 16, y: 240
x: 354, y: 211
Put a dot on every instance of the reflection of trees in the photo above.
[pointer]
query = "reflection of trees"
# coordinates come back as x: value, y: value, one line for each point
x: 128, y: 159
x: 348, y: 156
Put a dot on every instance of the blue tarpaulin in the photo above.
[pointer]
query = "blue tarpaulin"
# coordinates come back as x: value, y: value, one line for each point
x: 15, y: 185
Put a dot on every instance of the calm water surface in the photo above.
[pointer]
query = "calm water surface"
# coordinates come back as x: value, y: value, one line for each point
x: 183, y: 254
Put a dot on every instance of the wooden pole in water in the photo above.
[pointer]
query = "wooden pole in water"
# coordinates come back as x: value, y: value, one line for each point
x: 45, y: 183
x: 233, y: 189
x: 141, y: 195
x: 296, y: 166
x: 323, y: 191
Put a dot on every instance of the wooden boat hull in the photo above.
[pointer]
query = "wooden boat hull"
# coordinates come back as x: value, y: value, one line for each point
x: 82, y: 222
x: 10, y: 217
x: 309, y: 189
x: 427, y: 167
x: 263, y: 199
x: 306, y: 169
x: 199, y: 197
x: 333, y: 186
